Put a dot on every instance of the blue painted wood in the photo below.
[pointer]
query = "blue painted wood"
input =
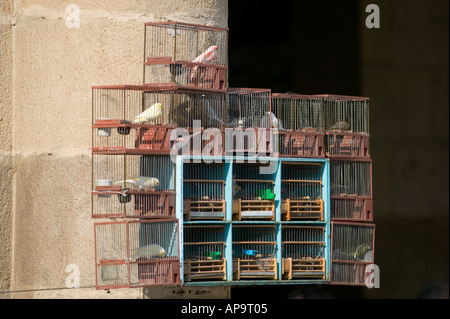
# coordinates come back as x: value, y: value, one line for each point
x: 229, y: 165
x: 179, y: 209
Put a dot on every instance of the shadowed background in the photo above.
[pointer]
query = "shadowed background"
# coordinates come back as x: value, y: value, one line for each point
x: 311, y: 47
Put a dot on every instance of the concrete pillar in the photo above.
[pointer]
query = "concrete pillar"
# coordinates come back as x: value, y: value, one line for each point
x: 6, y: 163
x: 47, y: 130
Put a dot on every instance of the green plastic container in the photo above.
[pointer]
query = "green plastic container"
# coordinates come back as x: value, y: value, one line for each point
x: 215, y: 255
x: 265, y: 194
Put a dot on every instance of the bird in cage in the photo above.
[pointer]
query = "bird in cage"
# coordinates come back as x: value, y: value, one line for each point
x: 208, y: 56
x: 212, y: 120
x: 183, y: 114
x: 236, y: 189
x: 150, y: 114
x: 141, y: 182
x: 360, y: 251
x: 340, y: 126
x: 267, y: 118
x: 149, y: 251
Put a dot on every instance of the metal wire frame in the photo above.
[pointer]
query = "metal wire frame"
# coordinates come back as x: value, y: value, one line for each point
x: 300, y: 242
x: 131, y: 186
x: 301, y: 180
x: 352, y: 250
x: 248, y: 108
x: 204, y: 242
x: 355, y: 208
x: 249, y: 183
x: 298, y: 112
x: 345, y: 144
x: 136, y: 253
x: 112, y: 170
x: 346, y: 113
x: 184, y: 41
x: 349, y: 177
x: 351, y: 241
x: 118, y: 106
x: 253, y: 241
x: 204, y: 182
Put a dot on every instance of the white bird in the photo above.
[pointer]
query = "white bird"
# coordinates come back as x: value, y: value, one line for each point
x: 141, y: 182
x: 265, y: 121
x: 150, y: 114
x: 206, y: 57
x: 148, y: 251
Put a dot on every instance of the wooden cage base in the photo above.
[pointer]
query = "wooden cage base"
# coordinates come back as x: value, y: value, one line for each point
x: 206, y: 209
x: 302, y: 209
x: 308, y: 268
x: 205, y: 269
x: 262, y: 268
x: 253, y: 209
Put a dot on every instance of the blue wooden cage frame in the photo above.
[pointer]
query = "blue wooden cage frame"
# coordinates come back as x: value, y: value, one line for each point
x: 276, y: 163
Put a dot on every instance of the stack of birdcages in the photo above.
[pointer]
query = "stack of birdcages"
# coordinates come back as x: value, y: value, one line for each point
x: 134, y: 130
x: 353, y: 230
x: 238, y: 221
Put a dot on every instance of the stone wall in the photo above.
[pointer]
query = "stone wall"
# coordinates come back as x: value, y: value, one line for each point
x: 45, y: 91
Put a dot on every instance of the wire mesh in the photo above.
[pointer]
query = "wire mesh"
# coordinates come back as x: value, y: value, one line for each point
x: 300, y: 242
x: 301, y: 181
x: 345, y: 273
x: 351, y: 208
x: 350, y: 177
x: 131, y: 107
x: 300, y: 123
x: 206, y: 242
x: 296, y: 112
x: 132, y: 186
x: 185, y: 42
x: 251, y: 242
x: 346, y: 113
x: 248, y: 108
x: 136, y: 253
x: 249, y: 183
x: 353, y: 242
x: 204, y: 182
x: 152, y: 172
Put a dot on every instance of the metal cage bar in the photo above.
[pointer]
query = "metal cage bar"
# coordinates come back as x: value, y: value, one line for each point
x: 353, y: 249
x: 346, y: 126
x: 204, y: 191
x: 204, y: 252
x: 254, y: 252
x: 303, y: 252
x: 300, y: 124
x: 253, y: 192
x: 350, y: 177
x: 132, y: 186
x: 136, y: 254
x: 301, y: 191
x: 186, y: 42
